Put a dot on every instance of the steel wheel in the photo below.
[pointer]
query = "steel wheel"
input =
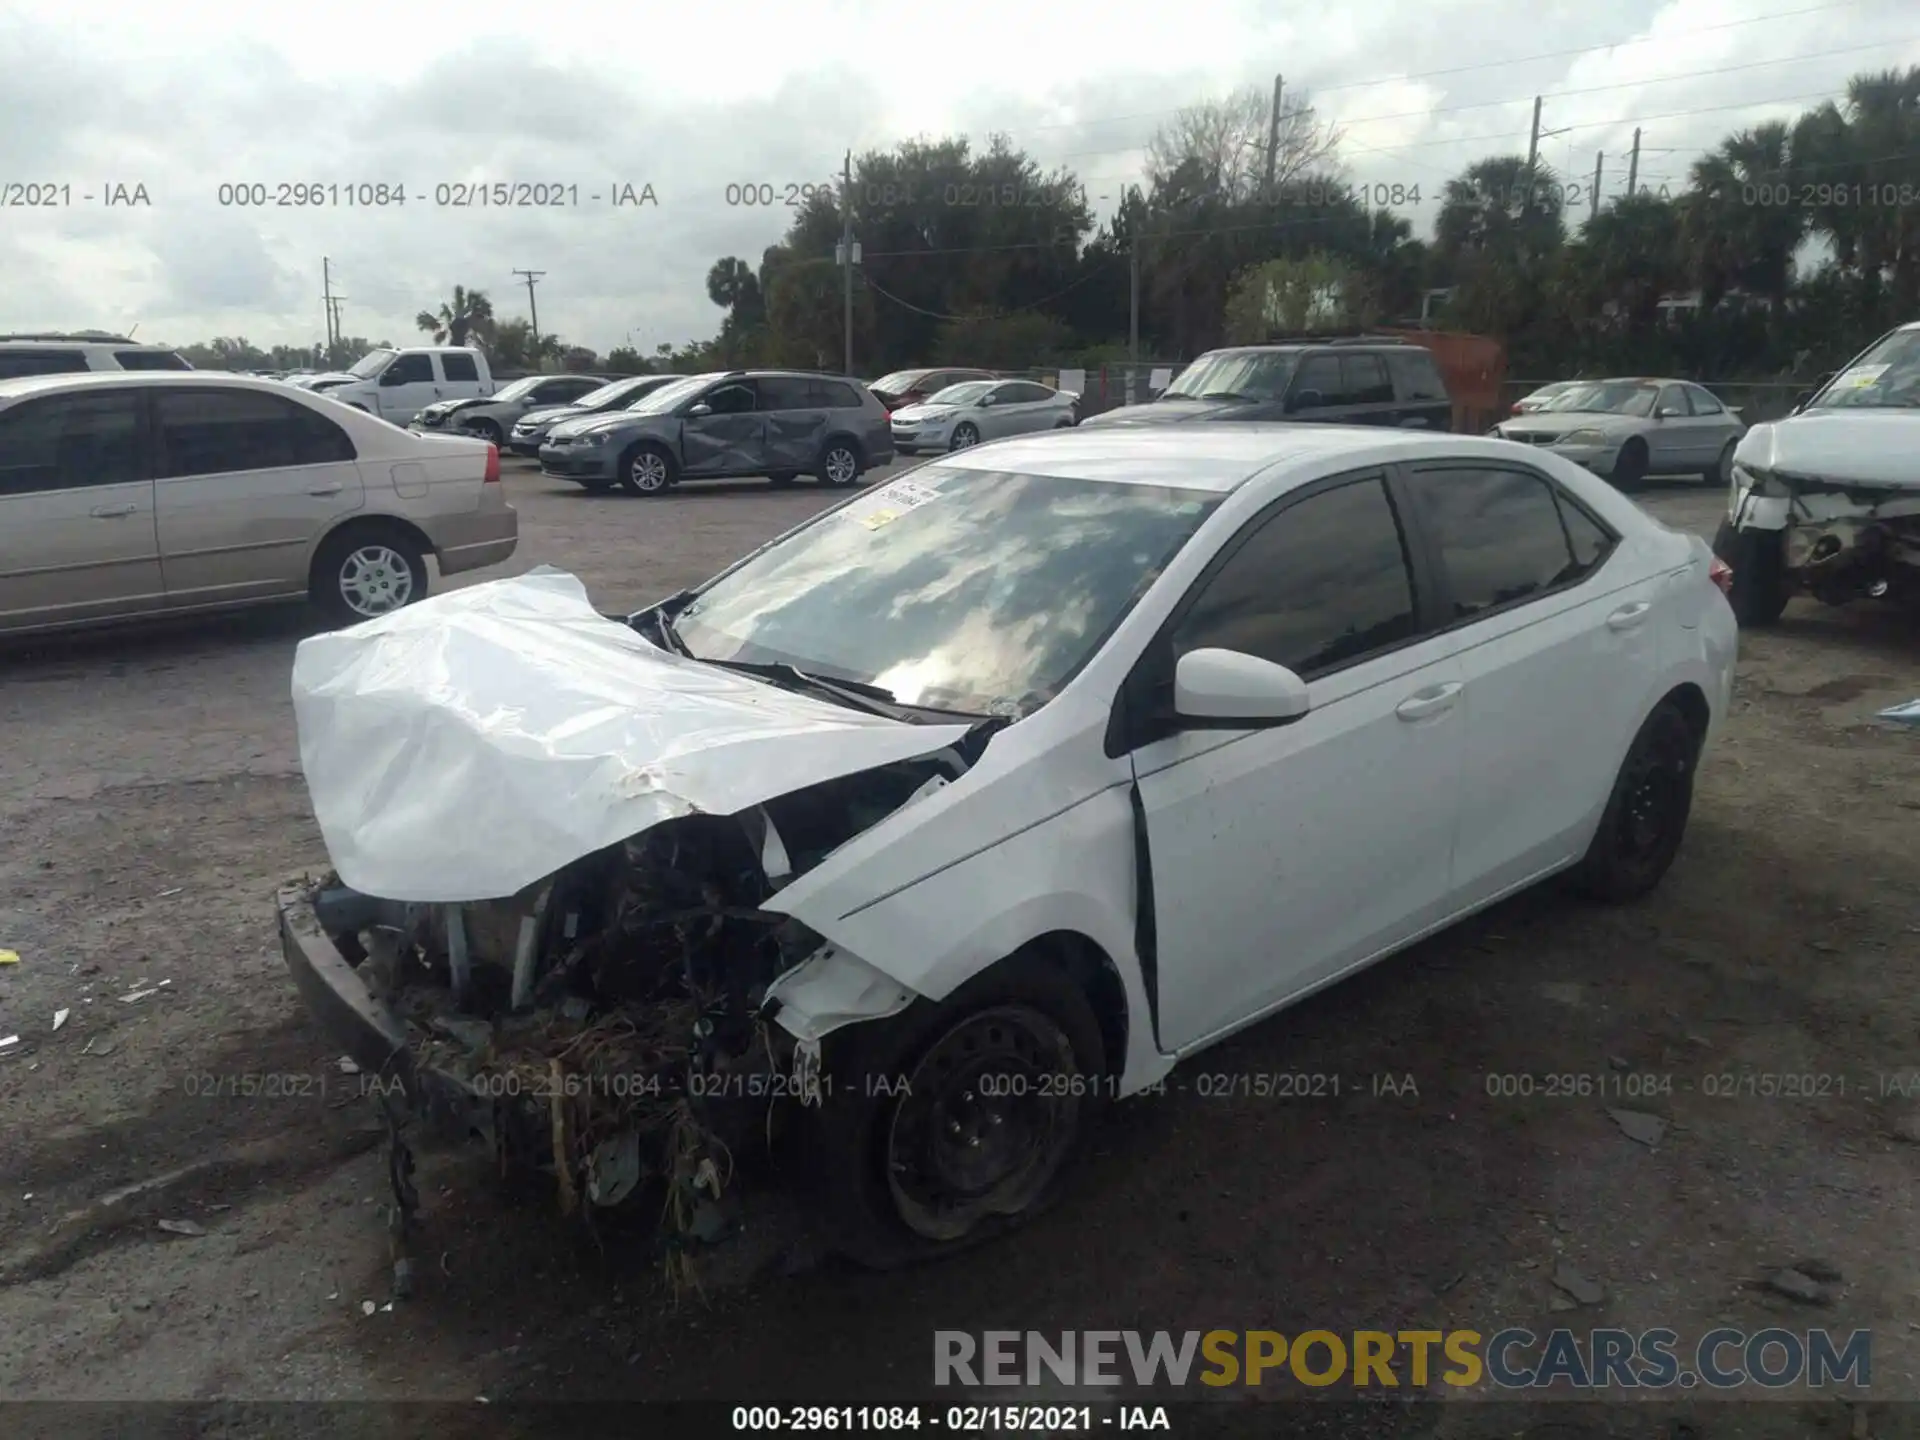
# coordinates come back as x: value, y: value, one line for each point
x: 375, y: 579
x: 965, y: 436
x: 840, y: 466
x: 989, y: 1117
x: 648, y: 473
x: 1646, y: 816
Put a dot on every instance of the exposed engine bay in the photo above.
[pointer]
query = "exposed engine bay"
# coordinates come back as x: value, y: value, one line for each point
x: 610, y: 1025
x: 1845, y: 543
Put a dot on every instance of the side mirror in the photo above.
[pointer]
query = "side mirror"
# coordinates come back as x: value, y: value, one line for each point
x: 391, y: 377
x: 985, y: 401
x: 1306, y: 400
x: 1226, y: 690
x: 1666, y: 412
x: 701, y: 409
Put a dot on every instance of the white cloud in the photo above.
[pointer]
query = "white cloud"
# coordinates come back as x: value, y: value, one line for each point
x: 185, y: 97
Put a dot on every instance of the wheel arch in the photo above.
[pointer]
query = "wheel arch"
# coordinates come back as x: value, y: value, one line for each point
x: 1691, y: 701
x: 847, y: 437
x: 361, y: 520
x: 1083, y: 961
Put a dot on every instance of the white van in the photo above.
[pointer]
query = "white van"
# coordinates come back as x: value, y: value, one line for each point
x: 397, y: 385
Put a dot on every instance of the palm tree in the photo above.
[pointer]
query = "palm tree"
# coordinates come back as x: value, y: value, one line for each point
x: 1496, y: 209
x: 468, y: 314
x: 1740, y: 218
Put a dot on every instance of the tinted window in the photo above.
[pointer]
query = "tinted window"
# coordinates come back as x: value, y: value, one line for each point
x: 1321, y: 373
x: 216, y: 432
x: 1673, y: 397
x: 1499, y: 532
x: 1417, y: 376
x: 734, y: 399
x: 150, y: 360
x: 61, y: 442
x: 1321, y: 583
x: 1366, y: 378
x: 784, y: 392
x: 832, y: 395
x: 1590, y: 543
x: 1028, y: 394
x: 457, y: 367
x: 1703, y: 403
x: 41, y: 362
x: 408, y: 370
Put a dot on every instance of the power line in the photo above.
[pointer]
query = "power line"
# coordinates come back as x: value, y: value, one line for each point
x: 997, y: 315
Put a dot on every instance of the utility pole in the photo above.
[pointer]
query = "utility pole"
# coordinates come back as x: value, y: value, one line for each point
x: 1133, y: 283
x: 1593, y: 210
x: 334, y: 305
x: 1633, y: 165
x: 326, y: 294
x: 533, y: 278
x: 847, y: 257
x: 1533, y: 150
x: 1273, y: 138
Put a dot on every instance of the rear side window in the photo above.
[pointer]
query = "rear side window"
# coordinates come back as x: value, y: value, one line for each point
x: 1417, y: 376
x: 65, y: 442
x: 785, y: 392
x: 1703, y: 402
x: 1366, y: 379
x: 459, y: 367
x: 150, y: 360
x: 41, y: 362
x: 832, y: 395
x: 1317, y: 585
x: 1502, y: 537
x: 1320, y: 374
x: 1027, y: 393
x: 218, y: 432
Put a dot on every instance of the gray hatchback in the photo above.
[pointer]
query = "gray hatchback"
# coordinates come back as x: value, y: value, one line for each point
x: 777, y: 423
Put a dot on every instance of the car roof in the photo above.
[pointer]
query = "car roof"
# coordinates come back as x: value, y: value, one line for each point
x: 1217, y: 456
x: 24, y: 385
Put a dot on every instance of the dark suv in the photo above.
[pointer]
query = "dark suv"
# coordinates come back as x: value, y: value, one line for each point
x: 1359, y: 380
x: 777, y: 423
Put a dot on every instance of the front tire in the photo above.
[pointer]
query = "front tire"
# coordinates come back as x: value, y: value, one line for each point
x: 365, y: 571
x: 957, y: 1120
x: 484, y: 430
x: 1630, y: 466
x: 1646, y: 815
x: 965, y: 436
x: 647, y: 470
x: 1759, y: 592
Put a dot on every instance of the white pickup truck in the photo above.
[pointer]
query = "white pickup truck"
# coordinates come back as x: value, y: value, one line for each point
x: 397, y: 385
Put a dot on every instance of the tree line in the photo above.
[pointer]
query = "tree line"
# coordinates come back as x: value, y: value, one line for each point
x: 984, y: 257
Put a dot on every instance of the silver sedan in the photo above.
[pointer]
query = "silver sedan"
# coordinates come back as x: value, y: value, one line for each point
x: 1629, y: 429
x: 978, y: 410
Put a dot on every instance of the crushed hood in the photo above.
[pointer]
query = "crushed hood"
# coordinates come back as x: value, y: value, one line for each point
x: 1864, y: 447
x: 468, y: 746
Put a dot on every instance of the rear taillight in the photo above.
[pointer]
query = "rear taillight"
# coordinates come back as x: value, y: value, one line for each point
x: 492, y: 477
x: 1721, y: 574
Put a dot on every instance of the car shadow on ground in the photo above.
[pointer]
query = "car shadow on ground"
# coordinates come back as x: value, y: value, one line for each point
x: 166, y: 639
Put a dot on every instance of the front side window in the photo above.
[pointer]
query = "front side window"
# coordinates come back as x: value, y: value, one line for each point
x: 1500, y: 534
x: 1320, y: 584
x: 969, y: 590
x: 413, y: 369
x: 1320, y: 384
x: 1673, y: 399
x: 219, y: 432
x: 735, y: 399
x: 64, y: 442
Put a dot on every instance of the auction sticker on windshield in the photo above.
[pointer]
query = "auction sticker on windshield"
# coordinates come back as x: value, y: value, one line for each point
x: 1861, y: 377
x: 890, y: 502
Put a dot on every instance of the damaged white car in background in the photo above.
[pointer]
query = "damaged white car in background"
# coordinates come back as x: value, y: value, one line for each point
x: 977, y: 801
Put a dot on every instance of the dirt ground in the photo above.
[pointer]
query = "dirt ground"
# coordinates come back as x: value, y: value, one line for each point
x: 150, y: 800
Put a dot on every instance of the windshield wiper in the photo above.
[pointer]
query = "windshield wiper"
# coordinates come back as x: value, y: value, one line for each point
x: 1224, y: 395
x: 871, y: 698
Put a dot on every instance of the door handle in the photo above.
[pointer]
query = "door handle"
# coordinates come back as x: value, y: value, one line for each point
x: 326, y: 490
x: 1628, y: 616
x: 112, y: 512
x: 1430, y: 701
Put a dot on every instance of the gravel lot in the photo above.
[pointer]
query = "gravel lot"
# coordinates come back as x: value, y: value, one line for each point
x: 150, y: 800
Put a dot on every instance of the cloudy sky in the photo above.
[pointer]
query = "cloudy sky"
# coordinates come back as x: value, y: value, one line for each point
x: 182, y: 97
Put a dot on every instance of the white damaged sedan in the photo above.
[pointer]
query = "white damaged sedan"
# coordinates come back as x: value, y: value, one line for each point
x: 980, y: 800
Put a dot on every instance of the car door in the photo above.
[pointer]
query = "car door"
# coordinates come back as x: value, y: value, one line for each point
x: 1420, y: 391
x: 1282, y: 857
x: 1672, y: 438
x: 1369, y: 389
x: 247, y: 481
x: 77, y: 538
x: 1039, y: 408
x: 407, y: 386
x: 731, y: 438
x: 1717, y: 424
x: 459, y: 376
x: 1319, y: 390
x: 1554, y: 647
x: 795, y: 427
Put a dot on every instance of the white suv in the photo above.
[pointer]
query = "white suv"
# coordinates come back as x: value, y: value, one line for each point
x: 76, y: 354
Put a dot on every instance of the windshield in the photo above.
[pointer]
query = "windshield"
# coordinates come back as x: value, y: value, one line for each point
x: 1886, y: 377
x: 898, y: 381
x: 372, y: 363
x: 1234, y: 374
x: 967, y: 590
x: 1605, y: 397
x: 668, y: 396
x: 964, y: 393
x: 519, y: 388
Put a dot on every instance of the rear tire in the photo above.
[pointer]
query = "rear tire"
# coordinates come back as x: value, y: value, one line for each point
x: 1760, y: 591
x: 918, y: 1153
x: 1646, y: 815
x: 367, y: 570
x: 647, y: 470
x: 840, y: 464
x: 1630, y: 466
x: 1721, y: 472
